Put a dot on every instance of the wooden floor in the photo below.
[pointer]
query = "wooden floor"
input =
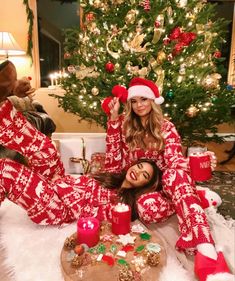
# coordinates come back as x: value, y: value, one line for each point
x: 221, y: 155
x: 219, y: 150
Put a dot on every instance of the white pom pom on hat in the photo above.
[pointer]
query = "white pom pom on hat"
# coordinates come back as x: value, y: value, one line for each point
x: 140, y: 87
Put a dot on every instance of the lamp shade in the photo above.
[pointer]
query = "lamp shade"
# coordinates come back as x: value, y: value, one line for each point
x: 9, y: 46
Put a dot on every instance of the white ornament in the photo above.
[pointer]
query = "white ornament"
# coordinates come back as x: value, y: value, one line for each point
x: 182, y: 3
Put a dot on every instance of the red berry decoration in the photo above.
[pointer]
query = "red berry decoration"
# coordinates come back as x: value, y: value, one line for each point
x: 109, y: 67
x: 166, y: 40
x: 217, y: 54
x: 67, y: 55
x: 157, y: 24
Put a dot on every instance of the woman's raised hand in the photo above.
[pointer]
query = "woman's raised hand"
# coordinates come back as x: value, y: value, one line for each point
x: 213, y: 159
x: 114, y: 106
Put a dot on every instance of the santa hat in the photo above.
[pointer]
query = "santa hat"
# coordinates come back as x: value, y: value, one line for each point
x: 138, y: 87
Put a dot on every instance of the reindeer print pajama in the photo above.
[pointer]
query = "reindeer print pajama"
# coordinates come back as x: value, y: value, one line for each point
x: 179, y: 192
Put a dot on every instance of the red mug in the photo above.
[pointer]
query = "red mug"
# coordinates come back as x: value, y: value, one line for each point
x: 121, y: 219
x: 200, y: 166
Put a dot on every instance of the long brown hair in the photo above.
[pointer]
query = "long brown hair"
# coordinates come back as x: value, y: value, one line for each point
x: 127, y: 195
x: 135, y: 131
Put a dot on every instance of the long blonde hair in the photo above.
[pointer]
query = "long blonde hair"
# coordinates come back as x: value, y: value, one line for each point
x: 135, y: 132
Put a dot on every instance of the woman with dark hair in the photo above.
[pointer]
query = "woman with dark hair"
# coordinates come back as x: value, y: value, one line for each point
x: 48, y: 195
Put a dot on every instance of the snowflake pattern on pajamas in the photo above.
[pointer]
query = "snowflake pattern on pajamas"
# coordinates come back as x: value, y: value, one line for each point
x: 179, y: 192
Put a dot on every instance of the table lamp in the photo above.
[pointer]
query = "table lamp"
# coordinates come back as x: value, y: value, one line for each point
x: 9, y: 46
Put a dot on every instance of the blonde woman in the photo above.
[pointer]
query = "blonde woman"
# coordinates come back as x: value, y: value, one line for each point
x: 143, y: 132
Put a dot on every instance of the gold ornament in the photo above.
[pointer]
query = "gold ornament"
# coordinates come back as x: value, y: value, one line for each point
x: 211, y: 81
x: 158, y: 29
x: 97, y: 4
x: 86, y: 72
x: 139, y: 29
x: 95, y: 91
x: 130, y: 17
x: 83, y: 91
x: 115, y: 55
x: 160, y: 73
x: 192, y: 111
x: 161, y: 56
x: 117, y: 66
x: 135, y: 44
x: 117, y: 2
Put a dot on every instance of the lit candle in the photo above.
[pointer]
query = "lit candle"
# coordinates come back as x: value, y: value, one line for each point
x: 88, y: 231
x: 52, y: 79
x: 121, y: 219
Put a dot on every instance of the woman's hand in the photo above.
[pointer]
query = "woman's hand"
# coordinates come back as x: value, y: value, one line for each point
x: 114, y: 106
x: 213, y: 159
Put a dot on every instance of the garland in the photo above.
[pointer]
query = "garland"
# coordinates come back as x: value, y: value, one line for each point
x: 30, y: 17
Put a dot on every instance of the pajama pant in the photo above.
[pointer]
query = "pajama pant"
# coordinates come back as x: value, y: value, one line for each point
x: 32, y: 187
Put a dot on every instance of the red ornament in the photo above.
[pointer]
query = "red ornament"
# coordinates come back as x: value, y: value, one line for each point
x: 170, y: 57
x: 187, y: 37
x: 90, y: 16
x: 29, y: 78
x: 157, y: 23
x: 109, y: 67
x: 166, y: 40
x: 67, y: 55
x: 146, y: 5
x: 178, y: 49
x: 217, y: 54
x: 175, y: 34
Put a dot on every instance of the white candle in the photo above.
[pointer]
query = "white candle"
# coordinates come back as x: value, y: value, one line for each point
x: 52, y: 79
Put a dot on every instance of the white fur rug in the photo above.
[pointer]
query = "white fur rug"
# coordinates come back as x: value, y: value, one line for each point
x: 33, y: 252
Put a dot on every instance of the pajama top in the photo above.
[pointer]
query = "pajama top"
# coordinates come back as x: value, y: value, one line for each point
x: 50, y: 197
x: 179, y: 192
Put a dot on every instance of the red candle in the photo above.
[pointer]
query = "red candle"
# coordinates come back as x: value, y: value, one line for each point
x: 88, y: 231
x: 200, y: 166
x: 121, y: 219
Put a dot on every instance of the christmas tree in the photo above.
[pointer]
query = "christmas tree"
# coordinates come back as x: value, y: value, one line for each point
x: 175, y: 43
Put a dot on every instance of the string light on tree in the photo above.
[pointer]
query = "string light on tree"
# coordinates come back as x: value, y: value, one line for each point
x: 181, y: 56
x: 192, y: 111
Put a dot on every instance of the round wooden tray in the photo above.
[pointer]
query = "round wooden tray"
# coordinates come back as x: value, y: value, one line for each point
x: 102, y: 271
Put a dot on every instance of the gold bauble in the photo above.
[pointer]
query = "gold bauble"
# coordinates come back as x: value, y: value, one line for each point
x: 83, y: 91
x: 161, y: 56
x: 130, y: 17
x: 95, y: 91
x: 211, y: 81
x: 97, y: 4
x: 117, y: 2
x: 117, y: 66
x: 192, y: 111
